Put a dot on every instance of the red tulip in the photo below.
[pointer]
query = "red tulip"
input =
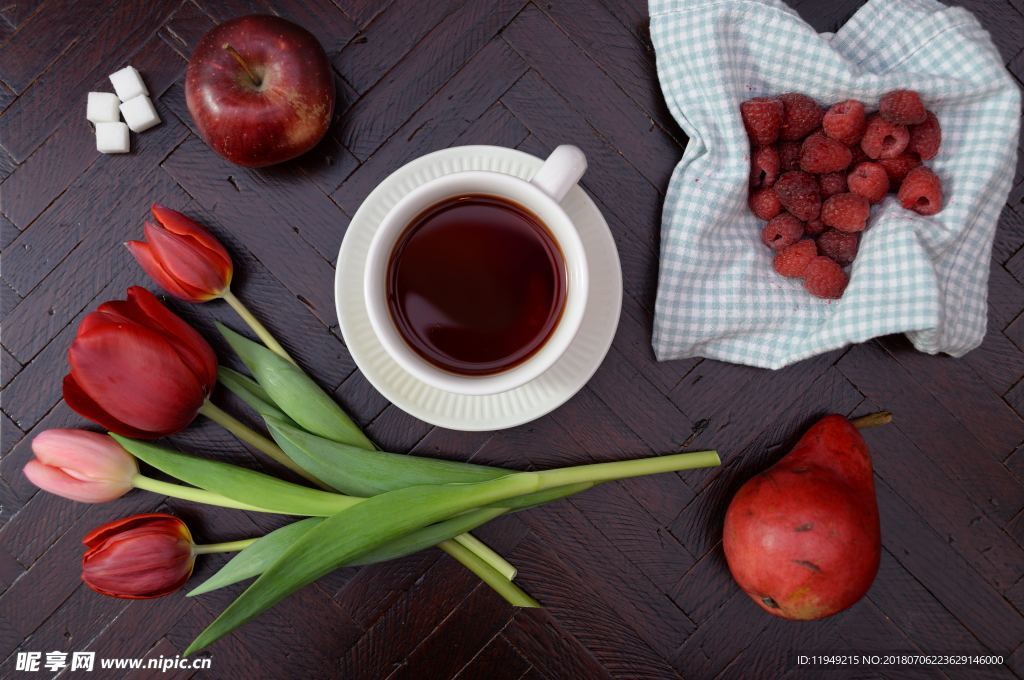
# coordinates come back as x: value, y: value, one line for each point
x: 84, y: 466
x: 137, y: 369
x: 182, y: 257
x: 138, y: 557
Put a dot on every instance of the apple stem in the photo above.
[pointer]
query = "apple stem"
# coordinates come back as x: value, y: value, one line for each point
x: 241, y: 62
x: 872, y: 420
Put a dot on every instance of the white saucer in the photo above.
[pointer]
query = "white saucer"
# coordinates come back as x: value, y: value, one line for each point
x: 496, y: 411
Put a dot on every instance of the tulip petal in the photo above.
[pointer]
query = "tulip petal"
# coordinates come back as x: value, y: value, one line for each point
x: 132, y: 373
x: 84, y: 455
x: 143, y: 254
x: 110, y: 529
x: 193, y: 348
x: 177, y: 223
x: 138, y: 557
x: 59, y: 483
x: 188, y: 261
x: 82, y: 404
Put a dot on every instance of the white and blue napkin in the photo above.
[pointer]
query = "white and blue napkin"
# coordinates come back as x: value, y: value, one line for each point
x: 718, y: 295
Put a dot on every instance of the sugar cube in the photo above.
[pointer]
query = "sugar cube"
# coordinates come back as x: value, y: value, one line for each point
x: 139, y: 113
x: 112, y: 138
x: 102, y: 108
x: 128, y: 83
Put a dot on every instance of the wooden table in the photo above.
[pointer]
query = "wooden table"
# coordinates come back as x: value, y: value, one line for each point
x: 631, y: 575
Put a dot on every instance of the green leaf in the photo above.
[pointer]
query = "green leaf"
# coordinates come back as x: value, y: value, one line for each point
x: 367, y: 473
x: 359, y: 472
x: 255, y: 559
x: 295, y: 393
x: 252, y: 561
x: 238, y: 483
x: 350, y: 533
x: 249, y: 391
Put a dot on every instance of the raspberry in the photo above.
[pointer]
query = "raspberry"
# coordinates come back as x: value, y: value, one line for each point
x: 902, y: 107
x: 833, y: 183
x: 840, y: 246
x: 883, y: 139
x: 824, y: 278
x: 762, y: 117
x: 845, y: 122
x: 814, y: 227
x: 858, y: 155
x: 781, y: 231
x: 789, y: 156
x: 798, y: 192
x: 820, y: 154
x: 792, y: 260
x: 921, y: 191
x: 801, y: 116
x: 765, y: 204
x: 764, y: 167
x: 926, y: 138
x: 846, y: 212
x: 870, y: 180
x: 898, y: 167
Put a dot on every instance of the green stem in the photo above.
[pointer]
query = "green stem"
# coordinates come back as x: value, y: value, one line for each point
x: 258, y: 328
x: 253, y: 438
x: 487, y: 554
x: 622, y: 469
x: 230, y: 546
x: 190, y: 493
x: 512, y: 593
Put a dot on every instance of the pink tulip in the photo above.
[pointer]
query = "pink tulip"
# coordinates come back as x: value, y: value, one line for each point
x: 138, y: 557
x: 84, y: 466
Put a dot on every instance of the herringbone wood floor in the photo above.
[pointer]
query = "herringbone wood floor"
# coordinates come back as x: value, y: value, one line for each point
x: 631, y: 575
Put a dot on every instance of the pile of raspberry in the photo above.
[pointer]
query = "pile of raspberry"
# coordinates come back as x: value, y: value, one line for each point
x: 814, y: 175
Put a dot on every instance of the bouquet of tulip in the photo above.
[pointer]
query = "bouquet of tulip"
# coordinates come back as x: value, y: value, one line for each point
x: 141, y: 372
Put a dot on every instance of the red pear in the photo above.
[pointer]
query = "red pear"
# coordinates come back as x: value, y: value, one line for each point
x: 802, y: 538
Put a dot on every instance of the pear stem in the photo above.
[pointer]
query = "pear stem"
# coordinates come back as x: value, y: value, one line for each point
x: 872, y: 420
x: 241, y: 62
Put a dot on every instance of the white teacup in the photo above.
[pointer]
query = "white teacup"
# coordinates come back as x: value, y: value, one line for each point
x: 541, y: 196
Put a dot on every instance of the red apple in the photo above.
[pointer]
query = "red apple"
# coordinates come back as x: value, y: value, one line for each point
x: 260, y: 90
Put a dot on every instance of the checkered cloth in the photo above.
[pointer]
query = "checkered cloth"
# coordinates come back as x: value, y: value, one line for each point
x: 718, y: 295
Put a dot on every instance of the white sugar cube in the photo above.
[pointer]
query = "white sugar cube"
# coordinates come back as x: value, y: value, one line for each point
x: 139, y: 113
x: 102, y: 108
x: 128, y: 83
x: 112, y: 138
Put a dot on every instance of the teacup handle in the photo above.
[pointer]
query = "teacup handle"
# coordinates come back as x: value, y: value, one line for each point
x: 560, y: 172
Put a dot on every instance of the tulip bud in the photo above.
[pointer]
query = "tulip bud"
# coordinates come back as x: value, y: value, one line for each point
x: 138, y: 557
x: 182, y: 257
x: 137, y: 369
x: 84, y: 466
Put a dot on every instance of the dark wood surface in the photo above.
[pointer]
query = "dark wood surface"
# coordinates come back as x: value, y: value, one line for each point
x: 631, y: 575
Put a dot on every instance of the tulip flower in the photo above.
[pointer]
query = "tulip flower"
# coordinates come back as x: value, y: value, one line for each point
x: 182, y: 257
x: 137, y: 369
x: 90, y: 467
x: 140, y: 371
x: 139, y: 557
x: 144, y: 556
x: 187, y: 261
x: 84, y: 466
